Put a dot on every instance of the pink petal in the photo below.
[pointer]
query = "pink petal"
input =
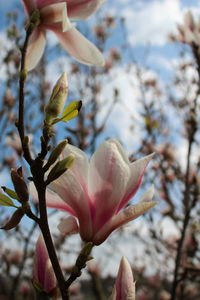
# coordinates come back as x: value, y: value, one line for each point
x: 52, y: 200
x: 55, y: 13
x: 83, y: 9
x: 77, y: 45
x: 50, y: 279
x: 130, y: 213
x: 108, y: 177
x: 29, y: 6
x: 137, y: 171
x: 73, y: 194
x: 42, y: 271
x: 35, y: 49
x: 68, y: 226
x: 124, y: 282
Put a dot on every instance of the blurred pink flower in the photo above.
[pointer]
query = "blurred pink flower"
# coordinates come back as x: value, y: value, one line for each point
x: 43, y: 274
x: 96, y: 192
x: 55, y: 15
x: 125, y: 286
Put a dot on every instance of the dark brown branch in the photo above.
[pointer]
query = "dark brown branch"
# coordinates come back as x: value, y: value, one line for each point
x: 38, y: 177
x: 23, y: 75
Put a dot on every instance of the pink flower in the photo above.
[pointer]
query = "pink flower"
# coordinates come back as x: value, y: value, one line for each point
x: 54, y: 16
x: 43, y: 274
x: 125, y: 286
x: 96, y: 192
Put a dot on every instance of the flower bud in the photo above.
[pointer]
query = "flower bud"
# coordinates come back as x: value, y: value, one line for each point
x: 14, y: 220
x: 56, y: 153
x: 125, y: 287
x: 60, y: 168
x: 20, y: 185
x: 57, y: 101
x: 43, y: 274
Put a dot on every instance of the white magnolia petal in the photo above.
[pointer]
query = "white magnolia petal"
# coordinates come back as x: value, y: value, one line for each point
x: 52, y: 13
x: 35, y: 48
x: 81, y: 10
x: 52, y: 199
x: 80, y: 166
x: 130, y: 213
x: 108, y: 176
x: 78, y: 46
x: 56, y: 13
x: 68, y: 226
x: 71, y: 191
x: 131, y: 293
x: 148, y: 195
x: 137, y: 171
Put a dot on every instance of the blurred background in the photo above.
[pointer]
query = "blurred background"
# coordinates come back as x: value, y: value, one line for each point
x: 146, y: 96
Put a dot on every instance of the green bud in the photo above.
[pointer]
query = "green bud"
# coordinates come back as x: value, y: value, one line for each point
x: 56, y: 153
x: 60, y: 168
x: 57, y: 101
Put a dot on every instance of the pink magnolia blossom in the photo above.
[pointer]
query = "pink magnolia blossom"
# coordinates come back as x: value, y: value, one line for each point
x: 125, y: 286
x: 55, y: 15
x: 43, y: 273
x: 96, y: 192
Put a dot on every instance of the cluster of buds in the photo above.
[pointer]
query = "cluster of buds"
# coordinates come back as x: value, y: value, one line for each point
x: 189, y: 32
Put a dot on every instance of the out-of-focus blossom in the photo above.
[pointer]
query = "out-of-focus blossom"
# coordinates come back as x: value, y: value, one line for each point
x: 43, y: 274
x: 125, y: 286
x: 164, y: 295
x: 96, y: 192
x: 14, y: 142
x: 55, y: 16
x: 189, y: 32
x: 8, y: 98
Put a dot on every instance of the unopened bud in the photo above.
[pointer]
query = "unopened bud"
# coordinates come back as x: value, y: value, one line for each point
x: 57, y: 101
x: 20, y: 185
x: 60, y: 168
x: 56, y: 153
x: 14, y: 220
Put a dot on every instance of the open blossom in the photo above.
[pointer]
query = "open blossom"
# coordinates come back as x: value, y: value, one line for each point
x: 125, y: 286
x: 43, y: 274
x: 95, y: 193
x: 55, y: 15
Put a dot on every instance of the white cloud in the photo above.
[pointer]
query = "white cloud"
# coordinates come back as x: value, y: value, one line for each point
x: 150, y: 21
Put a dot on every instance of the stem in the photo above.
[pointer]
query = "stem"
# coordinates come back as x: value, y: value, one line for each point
x: 36, y: 165
x: 23, y: 75
x: 38, y: 176
x: 83, y: 257
x: 188, y: 206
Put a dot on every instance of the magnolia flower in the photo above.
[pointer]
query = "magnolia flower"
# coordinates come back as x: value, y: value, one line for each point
x: 55, y: 15
x: 96, y: 192
x: 125, y: 286
x: 43, y: 274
